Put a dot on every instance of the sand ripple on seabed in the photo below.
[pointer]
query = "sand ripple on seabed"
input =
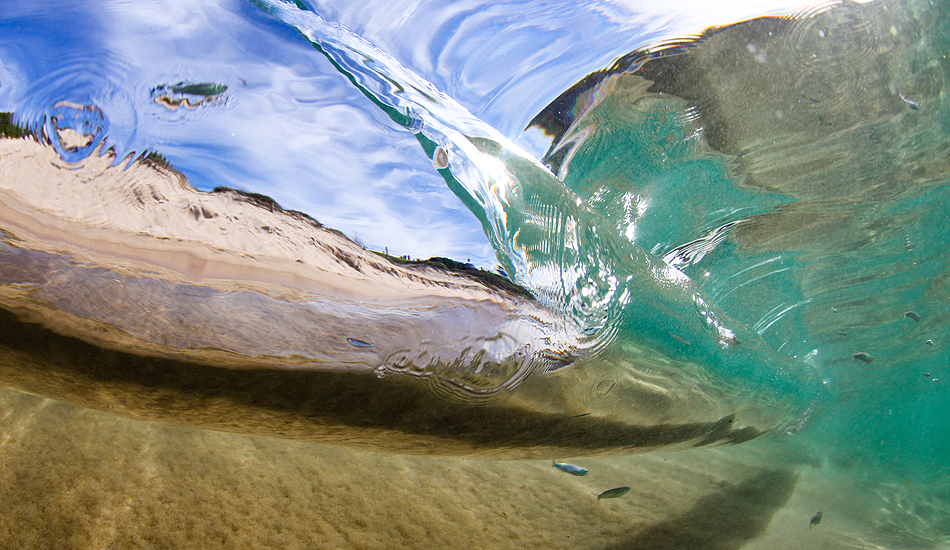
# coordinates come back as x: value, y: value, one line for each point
x: 75, y: 478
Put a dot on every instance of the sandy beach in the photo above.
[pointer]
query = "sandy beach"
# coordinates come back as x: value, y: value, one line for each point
x: 75, y: 479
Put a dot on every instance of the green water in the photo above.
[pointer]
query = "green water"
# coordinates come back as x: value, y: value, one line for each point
x: 807, y: 132
x: 804, y: 158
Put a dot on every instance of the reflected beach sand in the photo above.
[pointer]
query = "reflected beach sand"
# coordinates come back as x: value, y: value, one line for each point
x: 134, y: 293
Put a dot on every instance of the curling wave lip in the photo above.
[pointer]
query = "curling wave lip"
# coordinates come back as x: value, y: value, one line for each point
x: 224, y: 311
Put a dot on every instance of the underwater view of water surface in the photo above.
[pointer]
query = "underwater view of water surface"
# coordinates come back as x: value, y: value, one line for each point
x: 412, y: 274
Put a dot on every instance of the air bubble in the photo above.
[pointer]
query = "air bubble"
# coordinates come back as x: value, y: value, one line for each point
x: 440, y: 159
x: 75, y: 131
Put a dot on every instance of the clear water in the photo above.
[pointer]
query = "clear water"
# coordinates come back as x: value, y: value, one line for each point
x: 761, y: 214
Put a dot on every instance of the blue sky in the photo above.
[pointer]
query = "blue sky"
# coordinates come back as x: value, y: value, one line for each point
x: 291, y: 126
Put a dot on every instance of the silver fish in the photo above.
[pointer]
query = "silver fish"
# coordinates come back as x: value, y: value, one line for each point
x: 910, y: 102
x: 358, y: 343
x: 614, y: 493
x: 571, y: 469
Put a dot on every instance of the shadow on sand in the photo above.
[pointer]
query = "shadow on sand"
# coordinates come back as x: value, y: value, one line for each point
x: 724, y: 520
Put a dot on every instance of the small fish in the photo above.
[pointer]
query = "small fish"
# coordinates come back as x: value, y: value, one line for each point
x: 815, y: 520
x: 571, y: 469
x: 909, y: 102
x: 862, y: 356
x: 926, y: 375
x: 358, y: 343
x: 929, y: 342
x: 842, y: 333
x: 680, y: 339
x: 613, y: 493
x: 913, y: 315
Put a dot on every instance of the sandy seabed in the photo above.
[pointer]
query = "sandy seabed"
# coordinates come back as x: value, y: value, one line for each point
x: 76, y: 478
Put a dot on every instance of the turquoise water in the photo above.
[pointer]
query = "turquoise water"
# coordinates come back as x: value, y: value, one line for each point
x: 815, y: 202
x: 751, y: 223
